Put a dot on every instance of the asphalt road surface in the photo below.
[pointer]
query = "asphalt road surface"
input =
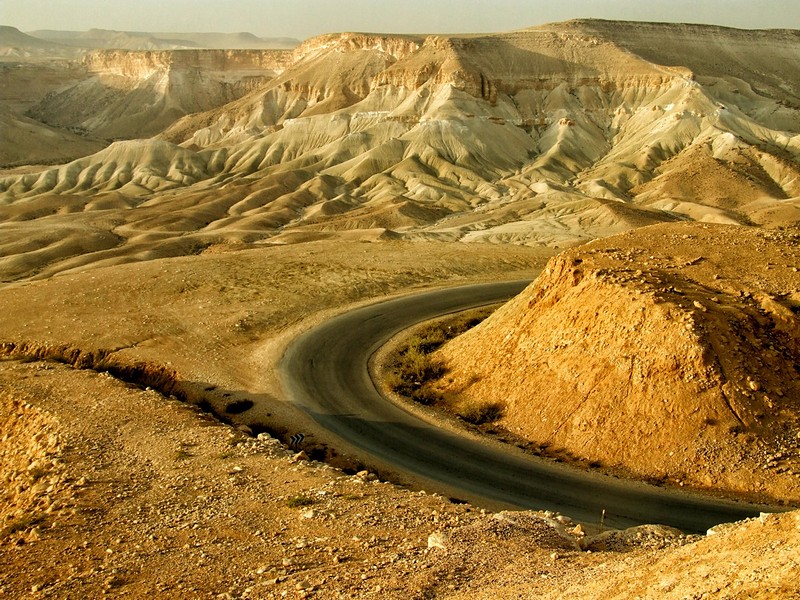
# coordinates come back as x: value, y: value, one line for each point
x: 325, y: 372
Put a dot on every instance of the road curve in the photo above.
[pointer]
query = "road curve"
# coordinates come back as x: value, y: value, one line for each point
x: 325, y: 373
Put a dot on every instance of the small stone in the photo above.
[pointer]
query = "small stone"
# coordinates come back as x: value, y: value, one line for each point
x: 245, y: 429
x: 438, y: 540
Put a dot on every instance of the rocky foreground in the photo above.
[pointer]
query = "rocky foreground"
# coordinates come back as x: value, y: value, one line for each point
x: 111, y: 490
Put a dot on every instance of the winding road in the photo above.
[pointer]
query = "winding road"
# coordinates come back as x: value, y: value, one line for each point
x: 325, y: 372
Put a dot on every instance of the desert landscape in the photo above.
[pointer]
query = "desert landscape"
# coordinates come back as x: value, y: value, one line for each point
x: 177, y: 209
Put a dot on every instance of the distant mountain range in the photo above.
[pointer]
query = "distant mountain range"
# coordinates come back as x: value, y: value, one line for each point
x: 16, y: 44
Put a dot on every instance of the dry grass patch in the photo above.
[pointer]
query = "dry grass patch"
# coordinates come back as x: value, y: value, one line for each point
x: 411, y: 369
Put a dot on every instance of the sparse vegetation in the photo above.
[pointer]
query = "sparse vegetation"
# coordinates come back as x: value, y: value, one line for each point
x: 37, y: 473
x: 481, y: 413
x: 412, y: 370
x: 298, y: 501
x: 237, y: 407
x: 182, y: 454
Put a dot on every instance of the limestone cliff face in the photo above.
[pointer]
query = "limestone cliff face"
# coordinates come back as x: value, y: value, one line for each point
x: 396, y: 46
x: 548, y: 136
x: 648, y: 359
x: 510, y: 63
x: 139, y: 93
x: 143, y: 64
x: 348, y: 63
x: 518, y: 71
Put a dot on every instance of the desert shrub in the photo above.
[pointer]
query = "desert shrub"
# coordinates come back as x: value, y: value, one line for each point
x: 480, y: 413
x: 298, y: 501
x: 426, y: 395
x: 418, y: 365
x: 37, y: 473
x: 411, y: 368
x: 428, y: 339
x: 410, y: 374
x: 182, y: 454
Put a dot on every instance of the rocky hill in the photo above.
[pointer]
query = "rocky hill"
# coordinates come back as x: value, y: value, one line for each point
x: 111, y: 488
x: 16, y: 45
x: 670, y: 353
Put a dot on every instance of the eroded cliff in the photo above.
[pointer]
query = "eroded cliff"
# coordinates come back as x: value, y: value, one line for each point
x: 130, y: 94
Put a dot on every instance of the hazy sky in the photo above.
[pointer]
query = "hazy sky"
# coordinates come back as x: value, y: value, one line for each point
x: 305, y: 18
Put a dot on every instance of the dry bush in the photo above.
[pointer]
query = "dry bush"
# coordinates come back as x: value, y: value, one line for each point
x: 299, y: 501
x: 479, y: 413
x: 412, y: 370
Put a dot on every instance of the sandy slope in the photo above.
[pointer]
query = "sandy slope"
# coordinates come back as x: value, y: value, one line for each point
x: 16, y: 45
x: 129, y: 94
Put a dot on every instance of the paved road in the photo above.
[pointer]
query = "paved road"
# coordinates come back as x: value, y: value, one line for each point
x: 325, y: 372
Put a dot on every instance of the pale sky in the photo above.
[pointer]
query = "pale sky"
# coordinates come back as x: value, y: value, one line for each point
x: 305, y: 18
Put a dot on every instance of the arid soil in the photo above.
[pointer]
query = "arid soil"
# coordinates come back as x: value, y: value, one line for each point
x: 114, y: 489
x: 681, y: 337
x: 148, y: 288
x: 131, y: 494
